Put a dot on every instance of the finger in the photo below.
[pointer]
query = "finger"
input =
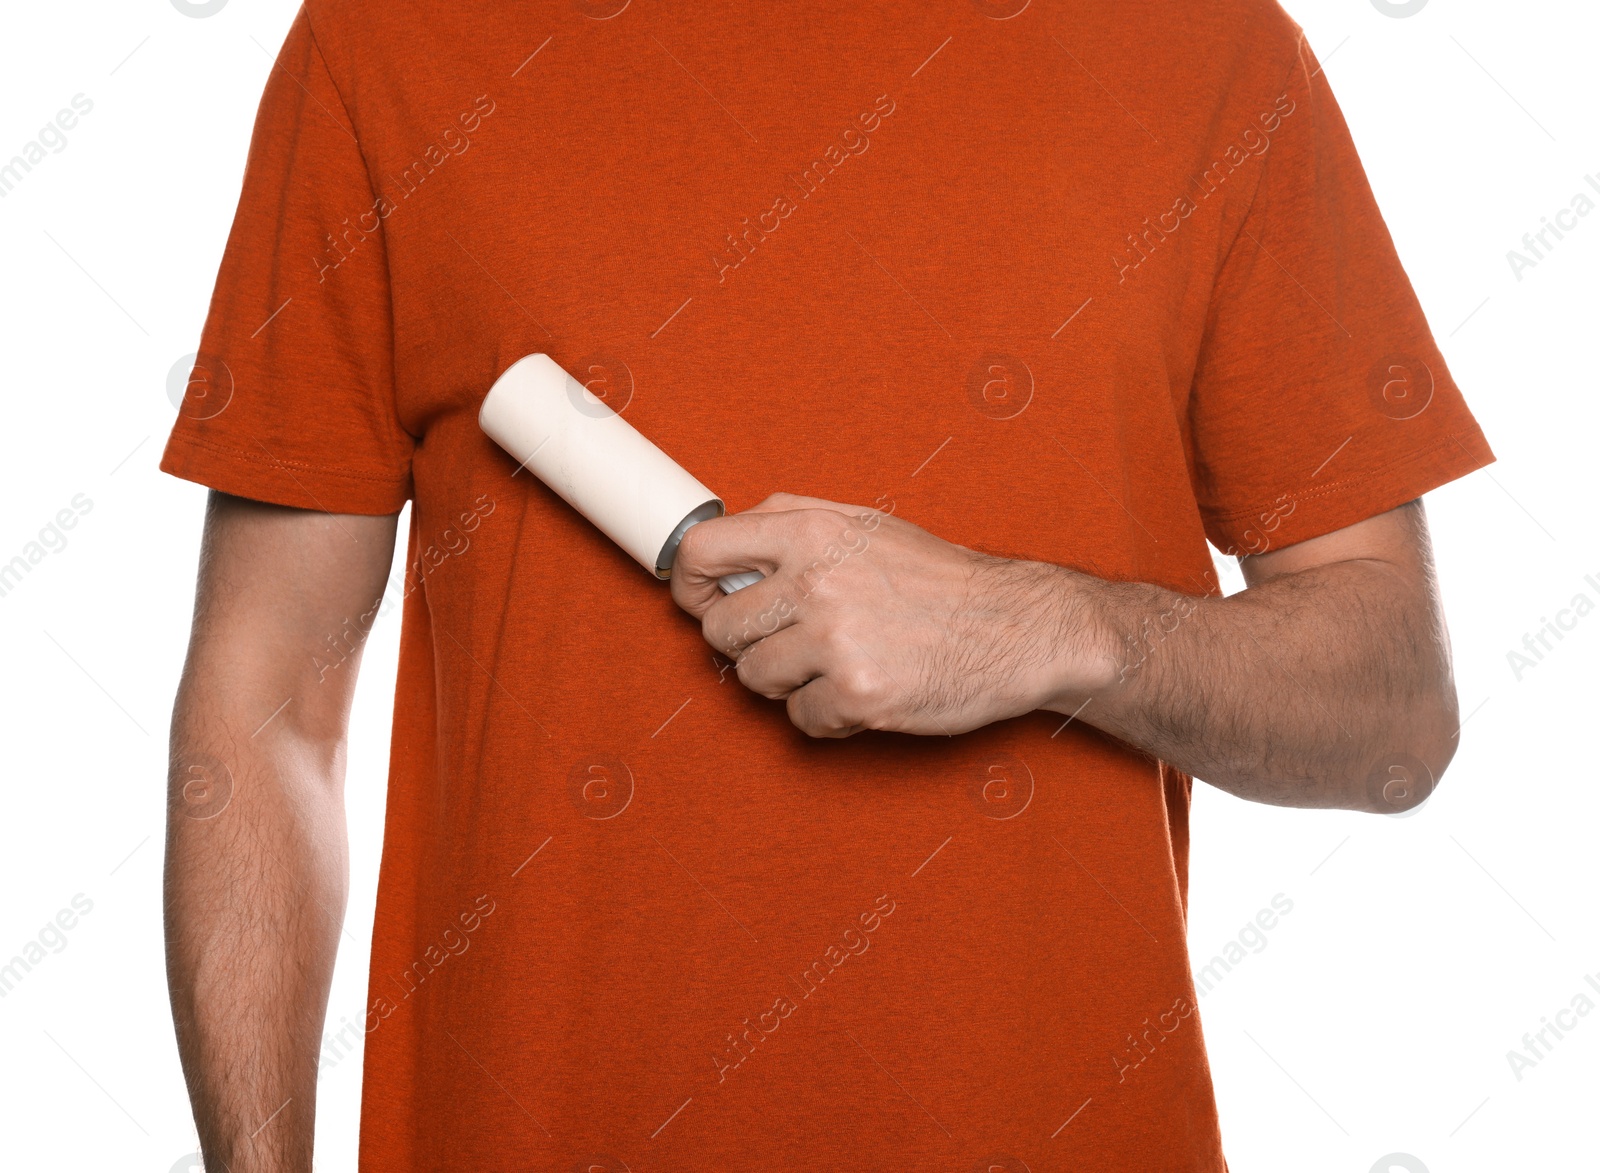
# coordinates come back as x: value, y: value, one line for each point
x: 723, y: 545
x: 820, y: 710
x: 778, y: 665
x: 869, y: 516
x: 788, y: 502
x: 807, y: 541
x: 732, y: 623
x: 851, y: 692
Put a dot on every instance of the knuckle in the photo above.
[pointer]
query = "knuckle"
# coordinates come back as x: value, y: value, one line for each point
x: 859, y: 684
x: 748, y: 674
x: 803, y: 716
x: 863, y: 698
x: 818, y: 526
x: 714, y: 630
x: 837, y: 644
x: 754, y: 675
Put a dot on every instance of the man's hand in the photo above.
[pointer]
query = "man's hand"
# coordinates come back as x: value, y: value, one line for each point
x: 1326, y: 683
x: 865, y: 621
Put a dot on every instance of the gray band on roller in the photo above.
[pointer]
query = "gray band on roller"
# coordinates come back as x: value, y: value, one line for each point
x: 706, y: 512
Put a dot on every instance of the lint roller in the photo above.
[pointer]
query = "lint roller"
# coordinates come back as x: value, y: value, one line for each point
x: 598, y: 463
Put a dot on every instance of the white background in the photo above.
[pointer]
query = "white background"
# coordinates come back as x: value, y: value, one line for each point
x: 1378, y: 1016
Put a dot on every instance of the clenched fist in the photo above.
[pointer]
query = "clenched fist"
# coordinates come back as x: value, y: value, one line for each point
x: 865, y: 621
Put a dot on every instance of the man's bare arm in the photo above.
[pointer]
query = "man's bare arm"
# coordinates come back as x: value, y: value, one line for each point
x: 256, y: 865
x: 1325, y: 683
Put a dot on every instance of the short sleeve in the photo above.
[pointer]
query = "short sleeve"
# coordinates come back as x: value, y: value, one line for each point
x: 292, y: 396
x: 1319, y: 398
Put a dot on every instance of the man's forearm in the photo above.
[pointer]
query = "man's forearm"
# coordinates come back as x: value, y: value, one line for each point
x: 1317, y: 688
x: 255, y: 895
x: 256, y: 869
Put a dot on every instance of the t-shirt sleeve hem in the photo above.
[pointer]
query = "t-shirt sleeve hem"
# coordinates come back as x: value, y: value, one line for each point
x: 1311, y: 513
x: 260, y: 476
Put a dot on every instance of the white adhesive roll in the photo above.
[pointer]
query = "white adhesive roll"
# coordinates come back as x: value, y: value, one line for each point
x: 598, y: 463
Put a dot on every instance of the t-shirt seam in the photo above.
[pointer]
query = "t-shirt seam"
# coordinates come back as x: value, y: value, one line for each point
x: 1207, y: 326
x: 400, y: 431
x: 1348, y: 482
x: 397, y: 479
x: 1261, y: 172
x: 322, y: 56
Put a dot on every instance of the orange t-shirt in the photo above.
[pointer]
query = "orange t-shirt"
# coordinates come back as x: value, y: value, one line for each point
x: 1087, y: 285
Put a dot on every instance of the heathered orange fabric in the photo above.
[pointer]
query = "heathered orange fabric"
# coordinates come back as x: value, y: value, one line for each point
x: 1089, y: 284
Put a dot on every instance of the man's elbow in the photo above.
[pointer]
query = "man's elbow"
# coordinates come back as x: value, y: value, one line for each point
x: 1424, y: 738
